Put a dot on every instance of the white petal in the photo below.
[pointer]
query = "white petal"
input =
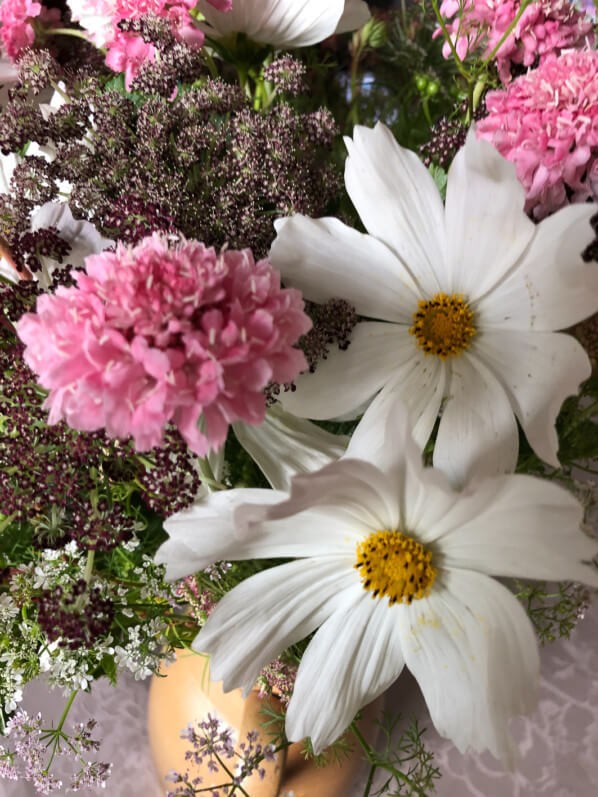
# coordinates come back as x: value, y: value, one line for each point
x: 384, y: 438
x: 355, y: 15
x: 551, y: 288
x: 82, y: 236
x: 472, y: 649
x: 519, y: 526
x: 253, y: 623
x: 358, y: 494
x: 8, y: 164
x: 477, y: 433
x: 281, y: 23
x: 353, y: 658
x: 56, y: 101
x: 538, y: 370
x: 486, y: 226
x: 420, y: 382
x: 398, y: 202
x: 209, y: 531
x: 7, y: 271
x: 325, y: 259
x: 346, y: 379
x: 284, y: 445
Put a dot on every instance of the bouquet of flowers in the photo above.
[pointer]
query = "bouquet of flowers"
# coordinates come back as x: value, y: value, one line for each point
x: 319, y: 408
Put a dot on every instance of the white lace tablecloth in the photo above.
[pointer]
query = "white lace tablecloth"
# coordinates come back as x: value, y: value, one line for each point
x: 559, y: 743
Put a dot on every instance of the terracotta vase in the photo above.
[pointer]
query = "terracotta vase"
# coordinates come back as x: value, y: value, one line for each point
x: 187, y: 695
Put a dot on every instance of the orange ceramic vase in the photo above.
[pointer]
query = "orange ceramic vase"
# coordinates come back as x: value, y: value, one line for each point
x: 187, y: 695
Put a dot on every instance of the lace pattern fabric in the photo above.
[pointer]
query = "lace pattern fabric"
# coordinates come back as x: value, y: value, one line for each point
x: 557, y: 743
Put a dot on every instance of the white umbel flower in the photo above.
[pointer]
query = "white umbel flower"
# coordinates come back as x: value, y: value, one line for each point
x: 285, y: 23
x: 392, y: 568
x: 466, y: 297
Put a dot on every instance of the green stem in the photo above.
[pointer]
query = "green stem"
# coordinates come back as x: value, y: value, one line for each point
x: 230, y: 774
x: 586, y: 470
x: 210, y: 63
x: 78, y: 34
x: 450, y: 42
x: 470, y: 103
x: 371, y: 757
x: 57, y: 732
x: 89, y: 565
x: 368, y: 785
x: 355, y: 88
x: 67, y: 708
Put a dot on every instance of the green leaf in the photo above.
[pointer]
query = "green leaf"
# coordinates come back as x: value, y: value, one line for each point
x: 440, y: 178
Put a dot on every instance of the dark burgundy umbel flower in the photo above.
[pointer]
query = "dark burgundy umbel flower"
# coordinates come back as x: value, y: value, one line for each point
x: 77, y: 618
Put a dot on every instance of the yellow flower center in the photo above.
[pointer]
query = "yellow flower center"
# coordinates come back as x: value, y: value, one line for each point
x: 394, y: 565
x: 443, y: 325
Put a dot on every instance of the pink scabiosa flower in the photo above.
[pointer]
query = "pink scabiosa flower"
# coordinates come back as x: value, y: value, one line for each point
x: 154, y: 333
x: 17, y: 31
x: 546, y: 123
x: 545, y: 27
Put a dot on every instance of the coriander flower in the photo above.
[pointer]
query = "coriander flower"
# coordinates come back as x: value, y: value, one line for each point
x: 161, y: 333
x: 466, y: 297
x: 284, y: 23
x: 392, y: 568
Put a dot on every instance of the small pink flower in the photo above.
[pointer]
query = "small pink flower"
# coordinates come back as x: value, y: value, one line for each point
x: 127, y: 53
x: 157, y: 334
x: 546, y: 27
x: 17, y: 31
x: 546, y: 123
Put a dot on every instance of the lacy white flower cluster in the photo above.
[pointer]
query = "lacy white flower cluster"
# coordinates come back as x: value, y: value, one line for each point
x: 25, y: 649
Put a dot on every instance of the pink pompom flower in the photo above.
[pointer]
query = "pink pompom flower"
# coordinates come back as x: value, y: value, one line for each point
x: 17, y: 30
x: 161, y: 333
x: 546, y: 27
x: 546, y: 123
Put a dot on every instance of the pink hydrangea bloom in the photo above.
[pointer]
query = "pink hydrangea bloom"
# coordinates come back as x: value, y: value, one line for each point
x: 17, y: 31
x: 157, y: 334
x: 546, y: 123
x: 545, y: 27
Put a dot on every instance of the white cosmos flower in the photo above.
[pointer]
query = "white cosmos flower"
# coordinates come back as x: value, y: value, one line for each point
x: 500, y: 358
x: 285, y: 23
x: 283, y: 446
x: 463, y: 635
